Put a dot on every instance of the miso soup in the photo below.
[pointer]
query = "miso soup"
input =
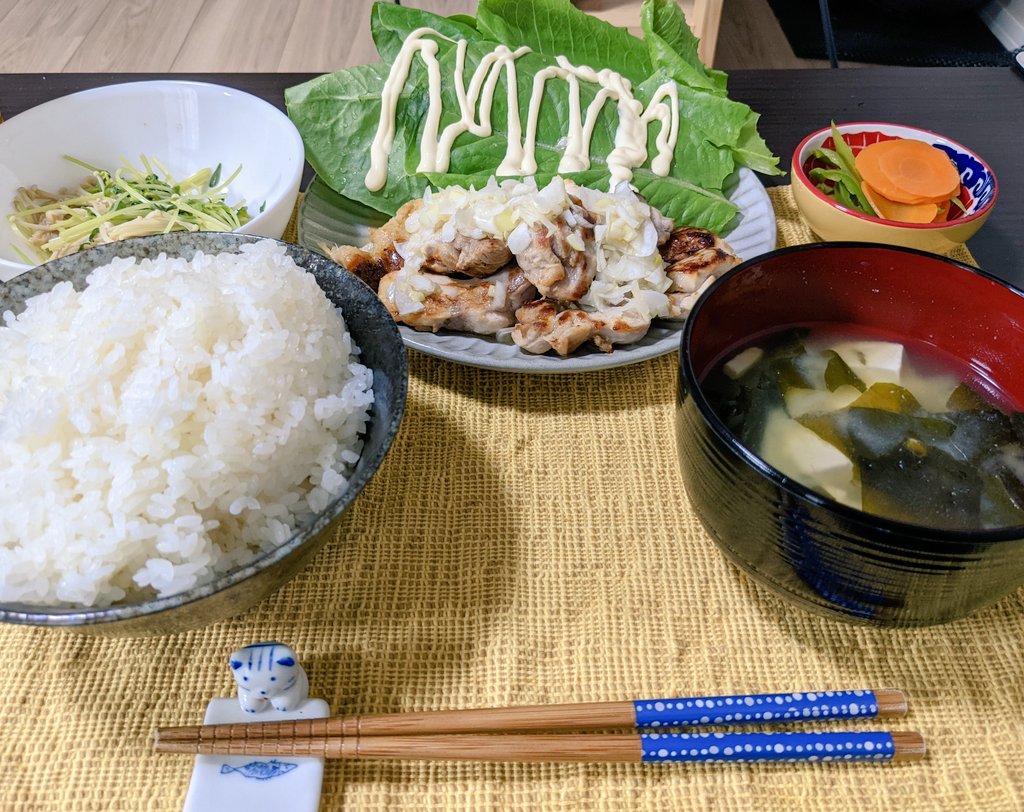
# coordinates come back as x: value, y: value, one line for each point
x: 890, y: 427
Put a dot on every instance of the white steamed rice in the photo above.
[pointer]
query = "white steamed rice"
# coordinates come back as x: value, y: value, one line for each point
x: 168, y: 423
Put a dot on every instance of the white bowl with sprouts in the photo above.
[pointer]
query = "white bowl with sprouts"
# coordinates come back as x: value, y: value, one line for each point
x: 168, y: 129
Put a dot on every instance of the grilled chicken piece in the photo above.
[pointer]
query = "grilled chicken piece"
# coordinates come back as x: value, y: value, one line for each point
x: 562, y: 264
x: 481, y: 306
x: 379, y: 257
x: 694, y: 255
x: 394, y: 230
x: 680, y: 304
x: 466, y: 255
x: 619, y: 325
x: 371, y: 268
x: 543, y: 325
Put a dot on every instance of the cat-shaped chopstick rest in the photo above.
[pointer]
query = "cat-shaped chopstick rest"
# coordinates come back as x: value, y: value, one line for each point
x: 269, y: 674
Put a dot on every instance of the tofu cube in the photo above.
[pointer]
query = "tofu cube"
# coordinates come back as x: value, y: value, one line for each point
x: 802, y: 455
x: 873, y: 361
x: 801, y: 401
x: 741, y: 363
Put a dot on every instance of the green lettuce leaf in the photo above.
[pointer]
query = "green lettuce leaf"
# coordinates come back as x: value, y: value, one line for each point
x: 338, y: 114
x: 557, y: 28
x: 465, y: 19
x: 390, y: 24
x: 672, y: 46
x: 673, y: 49
x: 751, y: 150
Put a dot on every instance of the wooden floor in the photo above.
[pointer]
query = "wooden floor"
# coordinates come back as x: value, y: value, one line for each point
x: 53, y: 36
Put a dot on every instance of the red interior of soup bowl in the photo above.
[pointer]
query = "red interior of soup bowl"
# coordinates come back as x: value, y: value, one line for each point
x: 958, y: 309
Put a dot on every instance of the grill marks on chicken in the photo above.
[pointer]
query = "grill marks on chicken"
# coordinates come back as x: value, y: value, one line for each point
x: 542, y: 325
x: 370, y: 267
x: 481, y: 306
x: 694, y: 258
x: 692, y: 255
x: 619, y: 325
x: 378, y: 258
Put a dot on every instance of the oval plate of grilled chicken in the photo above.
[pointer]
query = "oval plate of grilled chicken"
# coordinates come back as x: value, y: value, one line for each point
x: 544, y: 299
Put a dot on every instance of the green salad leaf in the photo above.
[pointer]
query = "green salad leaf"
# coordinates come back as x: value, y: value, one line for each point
x: 672, y: 46
x: 346, y: 108
x: 557, y: 28
x: 390, y: 24
x: 337, y: 114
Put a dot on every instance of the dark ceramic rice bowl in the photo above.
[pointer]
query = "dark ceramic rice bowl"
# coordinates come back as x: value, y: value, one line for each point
x: 372, y: 329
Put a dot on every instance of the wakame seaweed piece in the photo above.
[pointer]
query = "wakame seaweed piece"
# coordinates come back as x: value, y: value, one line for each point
x: 789, y: 375
x: 783, y: 359
x: 1008, y: 465
x: 979, y: 433
x: 964, y: 399
x: 759, y: 389
x: 890, y: 397
x: 875, y: 433
x: 1003, y: 500
x: 935, y: 489
x: 731, y: 398
x: 868, y: 433
x: 765, y: 398
x: 788, y: 344
x: 779, y: 370
x: 838, y: 373
x: 1000, y: 505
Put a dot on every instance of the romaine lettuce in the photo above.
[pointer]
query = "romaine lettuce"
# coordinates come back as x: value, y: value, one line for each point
x: 337, y: 114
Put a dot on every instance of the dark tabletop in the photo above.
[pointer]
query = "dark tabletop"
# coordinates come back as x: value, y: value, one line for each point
x: 982, y: 108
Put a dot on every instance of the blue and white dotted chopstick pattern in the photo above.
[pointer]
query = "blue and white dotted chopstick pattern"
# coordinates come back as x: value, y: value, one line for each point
x: 773, y: 708
x: 719, y: 748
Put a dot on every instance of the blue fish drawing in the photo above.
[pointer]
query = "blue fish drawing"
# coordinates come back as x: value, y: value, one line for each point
x: 260, y: 770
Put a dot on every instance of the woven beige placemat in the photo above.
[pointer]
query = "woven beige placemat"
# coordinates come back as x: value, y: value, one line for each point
x: 527, y: 540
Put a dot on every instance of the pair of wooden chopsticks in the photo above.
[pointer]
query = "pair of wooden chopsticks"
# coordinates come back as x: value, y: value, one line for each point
x: 455, y: 734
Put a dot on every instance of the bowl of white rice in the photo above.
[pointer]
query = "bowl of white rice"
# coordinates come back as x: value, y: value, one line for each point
x: 183, y: 418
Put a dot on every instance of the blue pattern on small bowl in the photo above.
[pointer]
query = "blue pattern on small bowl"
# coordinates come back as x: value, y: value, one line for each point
x: 978, y: 181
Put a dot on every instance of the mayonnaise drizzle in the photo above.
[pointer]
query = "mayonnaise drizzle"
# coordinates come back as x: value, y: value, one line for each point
x: 475, y: 103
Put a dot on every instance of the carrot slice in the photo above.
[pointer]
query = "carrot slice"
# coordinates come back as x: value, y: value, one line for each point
x: 908, y: 171
x: 900, y: 212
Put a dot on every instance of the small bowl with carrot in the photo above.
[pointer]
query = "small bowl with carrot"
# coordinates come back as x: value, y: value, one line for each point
x: 893, y: 184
